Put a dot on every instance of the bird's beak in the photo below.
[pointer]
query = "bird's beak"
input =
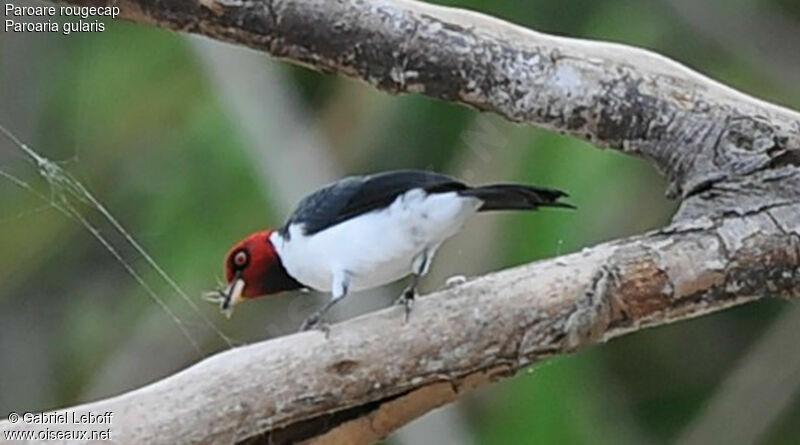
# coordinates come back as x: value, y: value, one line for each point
x: 233, y: 295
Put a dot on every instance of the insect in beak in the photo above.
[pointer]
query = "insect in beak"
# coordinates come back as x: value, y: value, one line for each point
x: 229, y: 297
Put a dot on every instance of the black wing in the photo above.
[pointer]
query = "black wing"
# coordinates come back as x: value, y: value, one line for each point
x: 357, y: 195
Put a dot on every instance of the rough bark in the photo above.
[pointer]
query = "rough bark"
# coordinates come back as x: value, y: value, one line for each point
x: 695, y: 130
x: 730, y: 157
x: 375, y: 373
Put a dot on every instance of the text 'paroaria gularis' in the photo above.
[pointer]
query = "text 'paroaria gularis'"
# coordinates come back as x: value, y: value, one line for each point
x: 365, y: 231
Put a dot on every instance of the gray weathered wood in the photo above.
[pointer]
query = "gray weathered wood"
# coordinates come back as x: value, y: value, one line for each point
x: 730, y: 158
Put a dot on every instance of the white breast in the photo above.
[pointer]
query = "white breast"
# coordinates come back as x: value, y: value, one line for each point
x: 377, y: 247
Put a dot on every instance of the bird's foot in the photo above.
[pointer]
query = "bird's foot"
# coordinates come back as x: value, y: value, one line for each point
x: 315, y: 322
x: 407, y: 300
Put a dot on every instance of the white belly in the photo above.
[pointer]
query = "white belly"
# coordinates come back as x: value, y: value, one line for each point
x: 377, y: 247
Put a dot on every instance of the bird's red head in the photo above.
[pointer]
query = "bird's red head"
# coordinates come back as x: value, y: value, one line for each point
x: 254, y: 269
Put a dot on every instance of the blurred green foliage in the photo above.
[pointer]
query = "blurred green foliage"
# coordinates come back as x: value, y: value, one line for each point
x: 132, y: 113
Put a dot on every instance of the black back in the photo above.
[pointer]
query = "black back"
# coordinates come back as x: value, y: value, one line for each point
x: 357, y: 195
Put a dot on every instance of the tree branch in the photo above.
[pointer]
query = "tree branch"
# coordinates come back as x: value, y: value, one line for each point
x: 375, y: 373
x: 735, y: 239
x: 614, y: 95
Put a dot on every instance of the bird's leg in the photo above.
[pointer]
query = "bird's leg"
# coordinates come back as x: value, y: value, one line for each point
x: 419, y: 267
x: 408, y: 295
x: 314, y: 321
x: 341, y: 281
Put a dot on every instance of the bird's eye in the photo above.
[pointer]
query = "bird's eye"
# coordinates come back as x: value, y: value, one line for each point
x: 240, y: 259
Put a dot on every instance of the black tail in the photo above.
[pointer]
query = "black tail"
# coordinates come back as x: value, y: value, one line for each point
x: 516, y: 197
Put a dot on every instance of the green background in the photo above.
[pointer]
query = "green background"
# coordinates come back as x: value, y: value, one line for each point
x: 137, y: 116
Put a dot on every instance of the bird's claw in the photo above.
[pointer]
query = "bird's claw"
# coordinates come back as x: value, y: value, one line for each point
x: 407, y: 301
x: 314, y: 322
x: 309, y: 323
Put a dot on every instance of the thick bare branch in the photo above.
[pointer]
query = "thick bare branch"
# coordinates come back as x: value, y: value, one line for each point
x: 381, y: 373
x: 614, y: 95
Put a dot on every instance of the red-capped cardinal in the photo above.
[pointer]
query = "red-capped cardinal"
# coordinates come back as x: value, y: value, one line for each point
x: 365, y: 231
